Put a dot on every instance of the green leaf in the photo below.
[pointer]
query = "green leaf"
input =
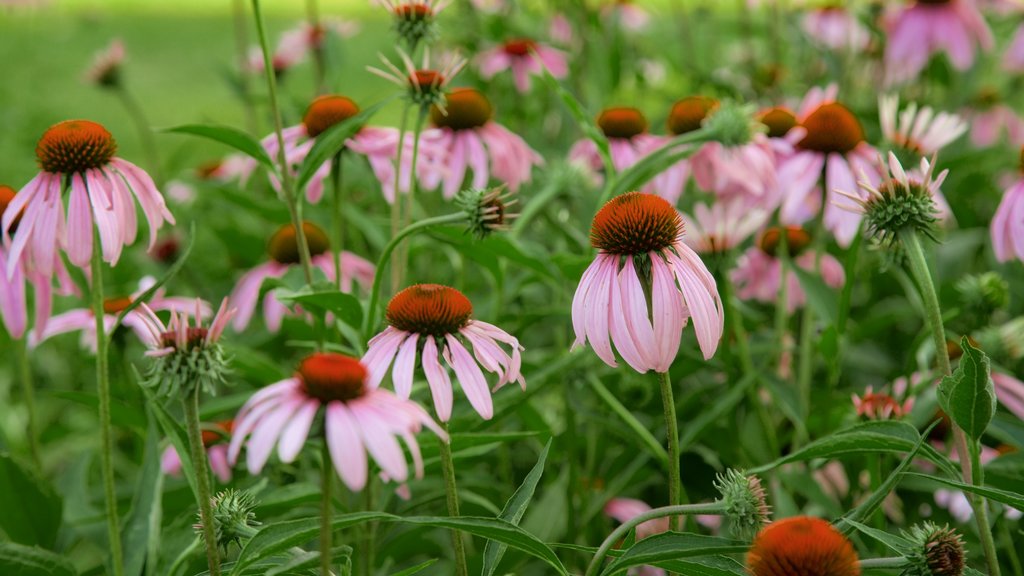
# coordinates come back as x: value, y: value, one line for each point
x: 710, y: 566
x: 498, y: 530
x: 416, y: 569
x: 331, y: 142
x: 672, y: 546
x: 324, y: 298
x: 233, y: 137
x: 1002, y: 496
x: 31, y: 508
x: 968, y: 395
x: 179, y: 439
x: 898, y: 544
x: 820, y: 296
x: 171, y: 272
x: 584, y: 120
x: 276, y: 538
x: 18, y: 560
x: 306, y: 561
x: 141, y: 533
x: 642, y: 433
x: 514, y: 510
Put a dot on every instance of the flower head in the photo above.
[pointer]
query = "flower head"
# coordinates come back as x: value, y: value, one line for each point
x: 940, y: 551
x: 523, y: 57
x: 722, y: 226
x: 101, y: 187
x: 899, y: 202
x: 758, y: 273
x: 425, y: 86
x: 689, y: 113
x: 234, y: 518
x: 923, y: 28
x: 747, y: 508
x: 185, y: 356
x: 358, y: 418
x: 639, y: 238
x: 920, y: 131
x: 1007, y: 227
x: 441, y: 318
x: 106, y: 67
x: 414, y: 21
x: 802, y: 546
x: 486, y: 210
x: 778, y: 121
x: 880, y: 406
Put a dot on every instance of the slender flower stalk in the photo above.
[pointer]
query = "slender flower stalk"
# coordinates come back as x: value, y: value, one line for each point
x: 28, y: 396
x: 287, y: 183
x: 337, y: 216
x: 672, y: 439
x: 326, y: 531
x: 452, y: 500
x: 103, y: 391
x: 205, y: 493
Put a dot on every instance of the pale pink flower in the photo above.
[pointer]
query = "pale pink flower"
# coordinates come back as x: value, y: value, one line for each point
x: 880, y: 406
x: 560, y: 30
x: 524, y: 58
x: 1009, y: 392
x: 627, y: 14
x: 440, y: 318
x: 989, y: 120
x: 298, y: 42
x: 836, y: 28
x: 831, y: 145
x: 624, y: 510
x: 1007, y: 227
x: 1013, y: 60
x: 82, y: 319
x: 919, y: 30
x: 758, y: 273
x: 215, y: 439
x: 378, y: 145
x: 357, y: 419
x: 472, y: 140
x: 920, y: 131
x: 13, y: 305
x: 723, y: 226
x: 178, y: 334
x: 101, y: 190
x: 280, y: 62
x: 425, y: 85
x: 284, y: 254
x: 229, y: 168
x: 610, y: 298
x: 106, y: 66
x: 745, y: 173
x: 628, y: 143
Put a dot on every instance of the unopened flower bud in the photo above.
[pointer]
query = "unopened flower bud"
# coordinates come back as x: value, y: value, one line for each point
x: 233, y: 517
x: 939, y: 551
x: 487, y: 210
x: 747, y: 510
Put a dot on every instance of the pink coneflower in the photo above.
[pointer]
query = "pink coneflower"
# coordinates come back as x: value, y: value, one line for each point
x: 101, y: 187
x: 989, y: 116
x: 628, y: 142
x: 357, y: 418
x: 723, y: 226
x: 1013, y: 60
x: 880, y: 406
x: 525, y: 58
x: 297, y: 42
x: 82, y: 319
x: 378, y: 145
x: 638, y: 233
x: 13, y: 305
x: 425, y: 85
x: 758, y: 273
x: 920, y: 131
x: 1007, y: 227
x: 215, y: 439
x: 745, y: 172
x: 106, y: 66
x: 836, y: 28
x: 925, y: 27
x: 472, y: 140
x: 440, y: 317
x: 1009, y: 392
x: 624, y: 510
x: 627, y: 14
x: 280, y: 62
x: 283, y: 249
x: 560, y: 30
x: 831, y: 143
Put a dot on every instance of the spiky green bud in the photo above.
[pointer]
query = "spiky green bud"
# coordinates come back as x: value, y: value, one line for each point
x: 747, y: 510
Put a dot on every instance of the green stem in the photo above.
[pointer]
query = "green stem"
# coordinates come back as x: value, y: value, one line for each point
x: 29, y: 397
x: 396, y: 203
x: 782, y: 303
x: 319, y: 63
x: 1010, y: 547
x: 452, y: 499
x: 182, y: 558
x: 410, y: 200
x: 326, y: 532
x: 386, y: 255
x: 883, y: 563
x: 287, y: 184
x: 145, y: 132
x: 624, y: 529
x: 844, y: 309
x: 242, y: 56
x: 805, y: 367
x: 672, y: 438
x: 336, y: 218
x: 106, y: 431
x: 970, y: 465
x: 203, y: 492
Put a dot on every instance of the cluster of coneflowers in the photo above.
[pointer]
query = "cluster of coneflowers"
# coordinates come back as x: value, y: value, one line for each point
x: 790, y: 179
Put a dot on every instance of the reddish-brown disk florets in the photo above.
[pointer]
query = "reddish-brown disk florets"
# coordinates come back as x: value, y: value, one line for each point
x: 429, y: 309
x: 425, y: 80
x: 326, y: 111
x: 465, y: 109
x: 75, y: 146
x: 622, y: 122
x: 330, y: 376
x: 116, y: 305
x: 519, y: 47
x: 797, y: 239
x: 802, y: 546
x: 284, y: 244
x: 779, y: 121
x: 6, y: 196
x: 832, y: 128
x: 635, y: 223
x: 688, y: 114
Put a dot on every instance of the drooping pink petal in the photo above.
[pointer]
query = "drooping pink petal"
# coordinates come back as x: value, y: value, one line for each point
x: 346, y: 446
x: 438, y: 380
x: 471, y: 378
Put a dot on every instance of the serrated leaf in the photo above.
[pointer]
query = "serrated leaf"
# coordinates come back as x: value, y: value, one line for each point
x: 514, y: 510
x: 18, y: 560
x: 672, y: 546
x: 968, y: 395
x: 230, y: 136
x: 331, y: 141
x: 31, y: 508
